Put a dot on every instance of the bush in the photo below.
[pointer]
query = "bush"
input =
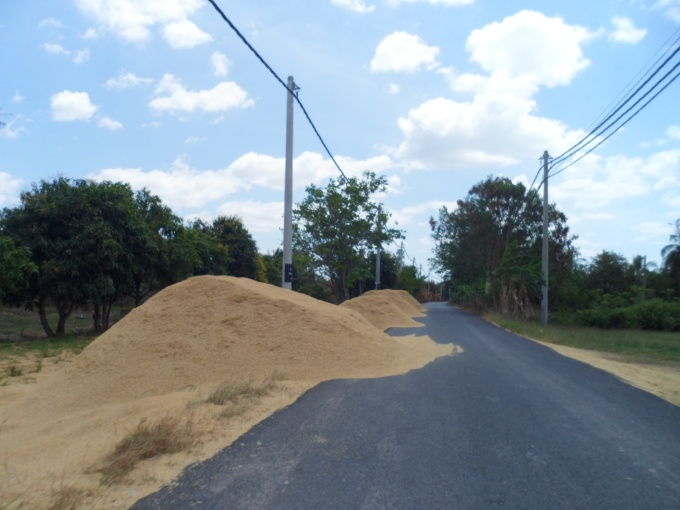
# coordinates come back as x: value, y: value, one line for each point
x: 654, y: 315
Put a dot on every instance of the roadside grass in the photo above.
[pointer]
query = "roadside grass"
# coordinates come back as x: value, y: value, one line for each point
x: 149, y: 439
x: 67, y: 497
x: 635, y: 345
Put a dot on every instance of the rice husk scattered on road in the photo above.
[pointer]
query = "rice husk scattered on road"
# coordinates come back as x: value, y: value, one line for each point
x: 164, y: 358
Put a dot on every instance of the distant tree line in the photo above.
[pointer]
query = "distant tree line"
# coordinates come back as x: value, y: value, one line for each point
x: 79, y: 244
x: 489, y: 248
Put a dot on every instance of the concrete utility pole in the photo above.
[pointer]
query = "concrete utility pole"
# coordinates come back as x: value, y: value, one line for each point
x: 377, y: 256
x: 287, y: 276
x: 544, y: 265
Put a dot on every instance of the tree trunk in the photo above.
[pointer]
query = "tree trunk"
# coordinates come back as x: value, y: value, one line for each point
x: 43, y: 319
x: 97, y: 318
x: 64, y: 313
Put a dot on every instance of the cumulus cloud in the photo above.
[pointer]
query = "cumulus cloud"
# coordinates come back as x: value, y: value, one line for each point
x: 402, y: 52
x: 354, y: 5
x: 393, y: 89
x: 596, y: 181
x: 258, y: 217
x: 185, y: 34
x: 69, y: 106
x: 126, y: 80
x: 530, y: 47
x: 110, y: 124
x: 499, y: 126
x: 9, y: 189
x: 18, y: 97
x: 220, y: 64
x: 55, y: 49
x: 488, y: 131
x: 132, y: 20
x: 182, y: 186
x: 625, y: 31
x: 174, y: 97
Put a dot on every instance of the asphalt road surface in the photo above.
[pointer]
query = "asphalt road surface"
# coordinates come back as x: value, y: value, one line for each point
x: 506, y: 424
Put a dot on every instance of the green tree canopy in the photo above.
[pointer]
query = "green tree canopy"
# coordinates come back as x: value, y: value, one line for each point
x: 489, y: 247
x: 338, y: 225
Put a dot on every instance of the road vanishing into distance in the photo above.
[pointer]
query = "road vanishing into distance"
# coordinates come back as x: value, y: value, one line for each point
x: 508, y: 424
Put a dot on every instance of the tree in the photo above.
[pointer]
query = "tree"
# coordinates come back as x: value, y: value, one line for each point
x: 671, y: 256
x: 242, y: 249
x: 490, y: 245
x: 338, y: 225
x: 75, y: 232
x: 16, y: 268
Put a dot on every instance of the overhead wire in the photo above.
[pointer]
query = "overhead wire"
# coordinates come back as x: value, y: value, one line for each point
x: 596, y: 131
x: 276, y: 76
x: 677, y: 75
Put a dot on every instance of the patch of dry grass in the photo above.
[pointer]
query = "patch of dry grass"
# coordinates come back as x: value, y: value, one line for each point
x: 146, y: 441
x: 232, y: 391
x: 67, y: 497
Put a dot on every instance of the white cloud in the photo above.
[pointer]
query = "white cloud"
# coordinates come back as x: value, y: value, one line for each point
x: 420, y: 213
x: 55, y: 49
x: 220, y: 63
x: 110, y: 124
x: 354, y: 5
x: 185, y: 34
x: 596, y: 182
x: 670, y: 8
x: 194, y: 139
x: 90, y: 33
x: 9, y: 132
x: 132, y: 20
x: 532, y: 47
x: 18, y: 98
x: 126, y: 80
x: 175, y: 97
x: 182, y: 186
x: 9, y: 189
x: 405, y: 53
x: 51, y: 22
x: 69, y: 106
x: 492, y: 130
x: 673, y: 132
x: 82, y: 56
x: 447, y: 3
x: 258, y: 217
x: 625, y: 31
x: 499, y: 126
x: 393, y: 89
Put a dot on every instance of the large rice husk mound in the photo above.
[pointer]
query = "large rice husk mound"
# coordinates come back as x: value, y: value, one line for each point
x: 163, y: 359
x: 387, y: 308
x: 209, y: 328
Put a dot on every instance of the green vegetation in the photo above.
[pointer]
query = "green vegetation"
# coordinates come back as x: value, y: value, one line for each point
x: 80, y: 244
x: 338, y: 226
x: 649, y: 346
x: 489, y: 249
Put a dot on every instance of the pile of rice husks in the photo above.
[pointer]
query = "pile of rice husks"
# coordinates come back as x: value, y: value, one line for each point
x: 162, y: 360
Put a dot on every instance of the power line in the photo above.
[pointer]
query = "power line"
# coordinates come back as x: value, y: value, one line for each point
x: 663, y: 49
x: 591, y: 136
x: 619, y: 127
x: 276, y: 76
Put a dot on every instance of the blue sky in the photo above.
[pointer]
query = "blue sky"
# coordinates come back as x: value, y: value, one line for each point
x: 433, y: 94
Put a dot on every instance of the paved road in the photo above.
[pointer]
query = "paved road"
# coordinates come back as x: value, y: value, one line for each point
x: 507, y: 424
